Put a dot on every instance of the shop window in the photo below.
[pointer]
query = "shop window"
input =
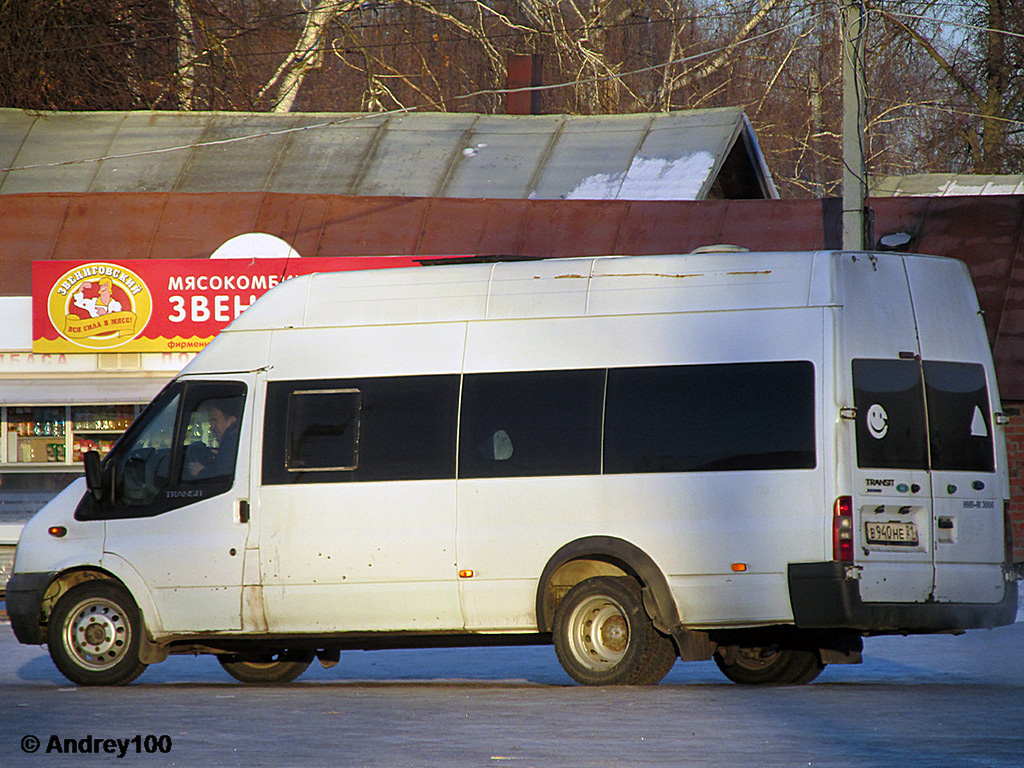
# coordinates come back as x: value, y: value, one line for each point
x: 60, y: 434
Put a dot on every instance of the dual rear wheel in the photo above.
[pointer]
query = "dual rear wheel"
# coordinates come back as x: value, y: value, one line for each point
x: 603, y: 635
x: 768, y: 665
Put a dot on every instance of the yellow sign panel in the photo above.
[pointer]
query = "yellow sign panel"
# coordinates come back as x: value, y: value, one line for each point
x: 99, y: 306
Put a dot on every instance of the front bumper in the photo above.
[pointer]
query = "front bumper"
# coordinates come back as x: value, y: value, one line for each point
x: 24, y: 605
x: 823, y: 597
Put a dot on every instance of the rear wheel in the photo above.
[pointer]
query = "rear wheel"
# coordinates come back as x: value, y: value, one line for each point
x: 769, y: 665
x: 603, y: 635
x: 94, y: 633
x: 280, y: 667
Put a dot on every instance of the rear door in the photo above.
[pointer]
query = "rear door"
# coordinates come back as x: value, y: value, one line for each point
x: 928, y: 480
x: 891, y: 486
x: 892, y: 502
x: 969, y: 481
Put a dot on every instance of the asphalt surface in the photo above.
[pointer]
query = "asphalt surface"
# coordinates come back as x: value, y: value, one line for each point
x: 916, y: 701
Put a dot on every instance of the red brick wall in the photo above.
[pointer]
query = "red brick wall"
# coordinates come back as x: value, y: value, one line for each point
x: 1015, y: 452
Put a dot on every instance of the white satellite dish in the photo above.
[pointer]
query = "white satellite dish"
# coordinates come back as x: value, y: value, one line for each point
x: 255, y: 245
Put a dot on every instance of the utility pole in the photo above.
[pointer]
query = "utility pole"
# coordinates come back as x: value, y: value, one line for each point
x: 854, y: 26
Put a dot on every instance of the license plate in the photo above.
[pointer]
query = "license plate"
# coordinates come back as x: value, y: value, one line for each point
x: 901, y: 533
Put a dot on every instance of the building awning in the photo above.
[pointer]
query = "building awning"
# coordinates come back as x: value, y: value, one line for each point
x: 81, y: 390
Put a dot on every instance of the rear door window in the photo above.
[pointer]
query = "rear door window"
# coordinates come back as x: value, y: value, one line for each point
x: 958, y: 416
x: 891, y: 428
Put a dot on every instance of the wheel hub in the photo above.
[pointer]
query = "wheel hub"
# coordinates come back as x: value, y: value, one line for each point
x: 98, y: 634
x: 600, y: 633
x: 614, y: 634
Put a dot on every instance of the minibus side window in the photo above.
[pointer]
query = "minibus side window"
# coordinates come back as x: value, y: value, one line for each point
x: 889, y: 398
x: 959, y: 419
x: 708, y: 418
x: 360, y: 430
x: 531, y: 424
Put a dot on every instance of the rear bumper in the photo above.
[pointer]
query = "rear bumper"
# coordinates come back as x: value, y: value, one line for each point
x: 24, y: 603
x: 823, y: 597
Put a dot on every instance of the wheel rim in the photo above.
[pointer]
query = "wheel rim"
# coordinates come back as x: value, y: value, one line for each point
x: 756, y: 659
x: 599, y: 633
x: 97, y: 634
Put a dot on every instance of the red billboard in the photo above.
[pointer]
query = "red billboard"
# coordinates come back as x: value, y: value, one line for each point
x: 153, y: 305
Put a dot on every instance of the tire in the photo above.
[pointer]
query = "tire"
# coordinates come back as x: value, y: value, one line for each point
x: 94, y: 634
x: 603, y: 635
x: 275, y: 668
x: 768, y: 666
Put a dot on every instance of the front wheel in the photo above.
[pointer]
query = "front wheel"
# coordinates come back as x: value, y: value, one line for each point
x: 274, y: 668
x: 603, y: 635
x: 769, y: 665
x: 94, y: 633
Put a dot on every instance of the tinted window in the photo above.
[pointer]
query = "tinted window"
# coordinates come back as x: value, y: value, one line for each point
x: 710, y: 418
x: 330, y: 431
x: 889, y: 398
x: 534, y: 423
x: 323, y: 429
x: 958, y: 417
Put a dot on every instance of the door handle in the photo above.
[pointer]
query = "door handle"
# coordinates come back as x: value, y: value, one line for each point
x: 243, y: 511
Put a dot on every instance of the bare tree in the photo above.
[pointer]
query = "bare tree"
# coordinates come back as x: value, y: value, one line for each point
x: 983, y: 64
x: 945, y: 81
x: 89, y: 54
x: 306, y: 55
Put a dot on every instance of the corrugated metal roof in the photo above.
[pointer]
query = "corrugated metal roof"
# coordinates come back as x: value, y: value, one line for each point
x: 663, y: 156
x: 948, y: 185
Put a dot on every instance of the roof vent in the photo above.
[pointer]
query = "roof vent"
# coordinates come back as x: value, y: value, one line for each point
x: 894, y: 241
x: 721, y: 248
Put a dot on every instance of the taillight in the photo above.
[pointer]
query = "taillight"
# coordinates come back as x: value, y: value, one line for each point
x: 1007, y: 534
x: 842, y: 530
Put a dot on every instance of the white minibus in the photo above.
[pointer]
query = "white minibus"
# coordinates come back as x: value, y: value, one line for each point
x: 756, y: 458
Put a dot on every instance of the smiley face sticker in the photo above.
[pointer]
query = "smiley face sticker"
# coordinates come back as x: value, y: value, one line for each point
x: 878, y: 421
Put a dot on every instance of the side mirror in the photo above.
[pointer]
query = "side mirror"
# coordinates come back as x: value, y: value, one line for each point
x: 93, y: 474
